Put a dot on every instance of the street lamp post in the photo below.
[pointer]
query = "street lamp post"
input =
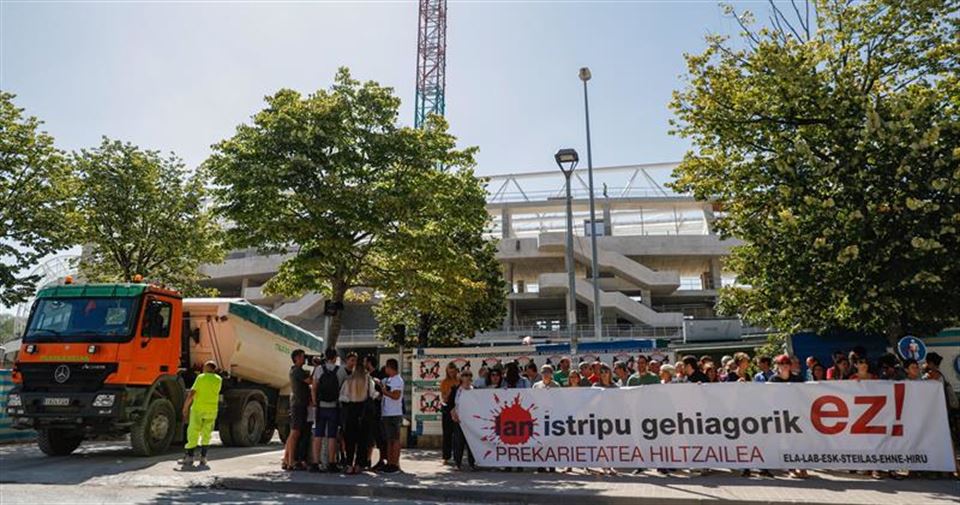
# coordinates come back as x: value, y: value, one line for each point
x: 567, y: 160
x: 597, y: 313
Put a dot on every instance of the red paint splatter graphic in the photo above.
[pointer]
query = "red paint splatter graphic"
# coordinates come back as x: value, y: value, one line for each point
x: 510, y: 423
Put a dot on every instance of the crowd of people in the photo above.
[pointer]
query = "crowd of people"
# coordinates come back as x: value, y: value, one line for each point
x: 341, y: 411
x: 640, y: 370
x: 344, y: 409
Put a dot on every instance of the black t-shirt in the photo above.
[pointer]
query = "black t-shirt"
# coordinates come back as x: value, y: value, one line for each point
x: 698, y: 376
x: 793, y: 378
x: 301, y: 390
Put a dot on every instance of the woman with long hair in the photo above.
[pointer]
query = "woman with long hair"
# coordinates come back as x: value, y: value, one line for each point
x: 356, y: 390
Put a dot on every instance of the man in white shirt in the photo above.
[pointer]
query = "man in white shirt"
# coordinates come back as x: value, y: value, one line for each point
x: 546, y: 374
x: 392, y: 414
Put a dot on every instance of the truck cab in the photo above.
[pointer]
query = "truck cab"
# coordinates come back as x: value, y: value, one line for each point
x: 94, y: 359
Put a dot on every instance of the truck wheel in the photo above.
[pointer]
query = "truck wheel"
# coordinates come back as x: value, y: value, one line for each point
x: 58, y: 442
x: 226, y: 435
x: 153, y: 432
x: 248, y: 429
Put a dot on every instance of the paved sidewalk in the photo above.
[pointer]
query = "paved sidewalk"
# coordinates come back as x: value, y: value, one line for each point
x: 424, y: 478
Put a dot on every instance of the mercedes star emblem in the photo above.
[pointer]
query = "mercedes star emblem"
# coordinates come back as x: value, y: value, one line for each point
x: 61, y: 374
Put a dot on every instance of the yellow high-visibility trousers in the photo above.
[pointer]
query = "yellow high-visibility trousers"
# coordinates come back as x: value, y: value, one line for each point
x: 200, y: 427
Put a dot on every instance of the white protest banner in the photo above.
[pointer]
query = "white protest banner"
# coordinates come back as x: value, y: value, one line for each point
x: 869, y: 425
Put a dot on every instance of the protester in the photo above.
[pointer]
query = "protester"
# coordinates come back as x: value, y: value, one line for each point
x: 546, y: 379
x: 200, y: 410
x: 890, y: 368
x: 392, y: 414
x: 575, y: 380
x: 530, y: 373
x: 562, y: 376
x: 620, y: 373
x: 355, y: 394
x: 764, y: 363
x: 711, y: 372
x: 375, y: 435
x: 585, y: 372
x: 300, y: 402
x: 446, y: 421
x: 691, y: 370
x: 606, y: 378
x: 818, y: 373
x: 594, y: 376
x: 642, y: 376
x: 912, y: 369
x: 681, y: 369
x: 666, y: 373
x: 811, y: 362
x: 512, y: 378
x: 741, y: 363
x: 861, y: 370
x: 785, y: 374
x: 481, y: 381
x: 840, y: 369
x: 459, y: 438
x: 654, y: 367
x: 494, y: 379
x: 327, y: 380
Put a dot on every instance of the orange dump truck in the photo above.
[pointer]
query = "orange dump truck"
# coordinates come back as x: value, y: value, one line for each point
x: 119, y: 358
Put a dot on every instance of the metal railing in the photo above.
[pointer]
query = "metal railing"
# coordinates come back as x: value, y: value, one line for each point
x: 515, y: 334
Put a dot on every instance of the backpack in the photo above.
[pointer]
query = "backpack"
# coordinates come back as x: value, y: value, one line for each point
x: 328, y: 385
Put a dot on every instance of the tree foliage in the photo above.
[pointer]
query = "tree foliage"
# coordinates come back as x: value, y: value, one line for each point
x: 36, y: 205
x: 442, y: 311
x: 143, y: 214
x: 831, y: 140
x: 356, y: 198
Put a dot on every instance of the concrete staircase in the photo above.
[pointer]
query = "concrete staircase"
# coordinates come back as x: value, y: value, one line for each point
x: 613, y: 262
x: 552, y: 284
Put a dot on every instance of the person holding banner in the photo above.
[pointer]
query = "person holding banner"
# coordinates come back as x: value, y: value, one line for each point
x: 546, y: 381
x: 459, y: 439
x: 642, y: 376
x: 494, y: 379
x: 449, y: 381
x: 575, y: 380
x: 739, y: 374
x: 785, y: 374
x: 606, y: 378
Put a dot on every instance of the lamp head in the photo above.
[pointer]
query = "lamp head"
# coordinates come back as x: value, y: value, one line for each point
x: 585, y: 74
x: 567, y: 160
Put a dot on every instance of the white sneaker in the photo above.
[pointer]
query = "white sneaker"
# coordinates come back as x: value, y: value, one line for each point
x: 203, y: 461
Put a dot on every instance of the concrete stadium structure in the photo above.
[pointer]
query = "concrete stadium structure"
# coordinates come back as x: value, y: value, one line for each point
x: 660, y: 260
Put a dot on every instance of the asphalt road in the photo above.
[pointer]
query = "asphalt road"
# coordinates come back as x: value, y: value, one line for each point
x: 109, y: 472
x: 29, y: 494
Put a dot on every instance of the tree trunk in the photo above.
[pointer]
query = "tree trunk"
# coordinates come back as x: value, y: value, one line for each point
x: 423, y: 332
x: 339, y: 293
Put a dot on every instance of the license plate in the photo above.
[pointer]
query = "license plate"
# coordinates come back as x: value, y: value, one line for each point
x: 56, y: 402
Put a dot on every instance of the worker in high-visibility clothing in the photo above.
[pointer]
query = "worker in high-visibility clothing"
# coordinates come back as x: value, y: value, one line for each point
x: 200, y: 408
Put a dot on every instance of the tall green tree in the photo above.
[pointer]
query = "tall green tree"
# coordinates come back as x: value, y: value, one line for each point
x: 144, y: 214
x: 332, y: 178
x: 831, y: 140
x: 36, y: 203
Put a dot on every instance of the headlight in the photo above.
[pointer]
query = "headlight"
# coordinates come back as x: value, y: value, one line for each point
x: 104, y: 400
x: 14, y: 401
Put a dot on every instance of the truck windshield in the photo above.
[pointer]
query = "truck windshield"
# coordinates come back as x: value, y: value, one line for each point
x: 82, y: 320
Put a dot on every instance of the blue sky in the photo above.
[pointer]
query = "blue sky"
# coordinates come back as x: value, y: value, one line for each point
x: 180, y: 76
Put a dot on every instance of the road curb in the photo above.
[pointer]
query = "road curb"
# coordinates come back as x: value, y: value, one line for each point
x: 491, y: 496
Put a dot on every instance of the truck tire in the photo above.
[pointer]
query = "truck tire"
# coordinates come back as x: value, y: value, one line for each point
x: 251, y: 424
x: 58, y: 442
x: 226, y: 436
x: 152, y: 433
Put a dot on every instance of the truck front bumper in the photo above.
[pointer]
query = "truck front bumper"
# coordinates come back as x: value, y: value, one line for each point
x: 35, y: 409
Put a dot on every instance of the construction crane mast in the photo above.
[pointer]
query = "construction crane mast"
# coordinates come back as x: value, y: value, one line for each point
x: 431, y: 60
